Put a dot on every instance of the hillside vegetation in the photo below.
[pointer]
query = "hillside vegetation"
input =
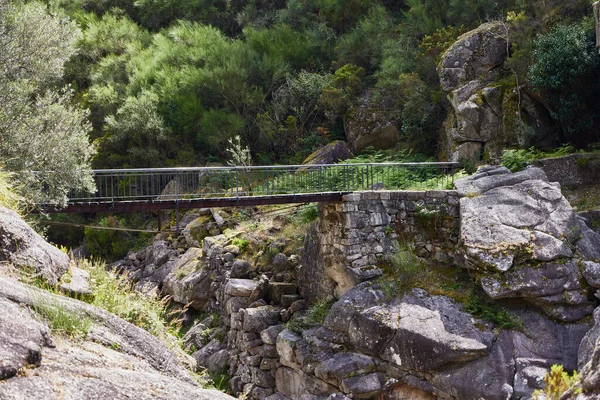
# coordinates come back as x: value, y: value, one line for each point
x: 146, y: 83
x: 168, y: 82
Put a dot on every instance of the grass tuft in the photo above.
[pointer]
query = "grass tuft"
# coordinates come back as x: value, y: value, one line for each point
x: 61, y: 320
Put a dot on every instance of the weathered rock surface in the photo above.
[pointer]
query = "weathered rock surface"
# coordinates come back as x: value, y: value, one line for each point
x: 76, y: 282
x: 483, y: 119
x: 371, y: 123
x: 22, y: 247
x: 420, y: 346
x: 143, y: 368
x: 589, y: 360
x: 523, y: 238
x: 330, y: 153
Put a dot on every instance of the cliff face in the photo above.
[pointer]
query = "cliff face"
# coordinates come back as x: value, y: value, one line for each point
x: 101, y: 356
x: 490, y: 111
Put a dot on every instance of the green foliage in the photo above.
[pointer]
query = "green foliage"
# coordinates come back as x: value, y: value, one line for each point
x: 308, y: 214
x: 566, y: 65
x: 9, y: 192
x: 115, y: 294
x: 405, y: 268
x: 62, y: 320
x: 40, y: 129
x: 342, y: 91
x: 317, y: 312
x: 480, y: 306
x: 517, y: 160
x: 558, y: 382
x: 241, y: 243
x: 110, y: 243
x: 363, y: 45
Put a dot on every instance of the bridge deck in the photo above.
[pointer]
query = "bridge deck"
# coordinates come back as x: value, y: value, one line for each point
x: 132, y: 190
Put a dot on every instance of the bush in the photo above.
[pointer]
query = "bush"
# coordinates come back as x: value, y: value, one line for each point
x: 565, y: 70
x: 557, y: 383
x: 9, y: 192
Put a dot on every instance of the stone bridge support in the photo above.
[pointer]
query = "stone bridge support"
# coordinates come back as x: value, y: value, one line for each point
x: 354, y: 238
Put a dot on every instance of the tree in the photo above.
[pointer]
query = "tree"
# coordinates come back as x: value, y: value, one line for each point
x: 565, y: 70
x: 40, y: 130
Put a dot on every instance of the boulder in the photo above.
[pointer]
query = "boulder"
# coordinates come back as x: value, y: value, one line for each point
x: 240, y: 287
x: 524, y: 239
x: 115, y: 359
x: 195, y: 336
x: 25, y: 249
x: 190, y: 280
x: 330, y: 153
x: 22, y: 339
x: 482, y: 121
x: 371, y: 123
x: 260, y: 318
x: 76, y: 282
x: 195, y: 231
x: 214, y: 356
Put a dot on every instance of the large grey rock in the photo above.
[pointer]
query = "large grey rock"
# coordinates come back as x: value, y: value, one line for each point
x: 330, y: 153
x: 483, y: 120
x: 214, y: 356
x: 589, y: 360
x: 106, y: 328
x: 524, y: 239
x: 295, y: 384
x: 22, y: 339
x: 189, y: 282
x: 240, y: 287
x: 420, y: 328
x: 22, y: 247
x: 260, y: 318
x: 115, y: 361
x: 371, y: 123
x: 76, y: 282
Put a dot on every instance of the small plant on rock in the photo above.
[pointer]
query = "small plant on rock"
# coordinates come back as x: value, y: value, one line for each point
x: 557, y: 383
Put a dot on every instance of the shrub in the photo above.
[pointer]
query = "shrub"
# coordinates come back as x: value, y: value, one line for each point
x: 9, y: 192
x: 557, y: 383
x: 115, y: 294
x: 309, y: 214
x: 480, y: 306
x: 565, y: 68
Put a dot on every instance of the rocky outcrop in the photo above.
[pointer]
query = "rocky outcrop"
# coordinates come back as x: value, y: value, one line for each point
x: 589, y: 360
x: 331, y: 153
x: 371, y: 123
x: 113, y: 360
x: 421, y: 345
x: 525, y: 241
x: 487, y: 115
x: 23, y: 248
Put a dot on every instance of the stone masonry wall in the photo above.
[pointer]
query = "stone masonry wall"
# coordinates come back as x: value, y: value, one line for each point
x: 356, y: 236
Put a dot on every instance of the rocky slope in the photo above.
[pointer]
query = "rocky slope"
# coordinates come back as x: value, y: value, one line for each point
x: 110, y: 359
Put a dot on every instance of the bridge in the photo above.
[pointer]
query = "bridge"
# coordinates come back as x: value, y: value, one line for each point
x: 134, y: 190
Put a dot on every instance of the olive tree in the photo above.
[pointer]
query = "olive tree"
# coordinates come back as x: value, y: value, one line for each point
x: 43, y: 136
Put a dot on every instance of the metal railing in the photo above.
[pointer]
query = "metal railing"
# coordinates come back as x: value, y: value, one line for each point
x: 121, y: 185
